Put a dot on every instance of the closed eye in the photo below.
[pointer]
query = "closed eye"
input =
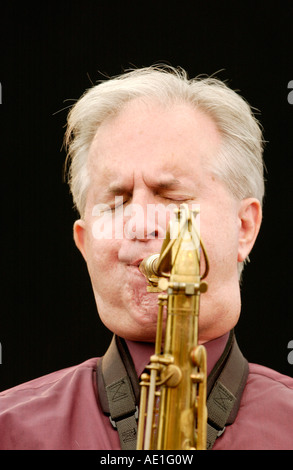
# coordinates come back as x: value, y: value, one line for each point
x: 120, y: 201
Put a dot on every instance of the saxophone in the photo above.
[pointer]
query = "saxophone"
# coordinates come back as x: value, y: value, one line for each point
x: 173, y: 412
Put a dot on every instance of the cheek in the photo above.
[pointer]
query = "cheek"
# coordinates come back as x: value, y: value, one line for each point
x: 221, y: 243
x: 101, y: 259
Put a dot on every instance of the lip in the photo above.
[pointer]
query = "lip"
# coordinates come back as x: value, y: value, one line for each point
x: 136, y: 263
x: 137, y: 276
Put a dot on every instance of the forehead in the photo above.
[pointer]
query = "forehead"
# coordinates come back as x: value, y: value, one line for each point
x: 145, y: 134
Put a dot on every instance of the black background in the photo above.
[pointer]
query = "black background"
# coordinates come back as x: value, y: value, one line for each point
x: 50, y: 53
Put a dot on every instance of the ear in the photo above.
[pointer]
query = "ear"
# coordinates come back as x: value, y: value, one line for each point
x: 79, y: 236
x: 250, y: 216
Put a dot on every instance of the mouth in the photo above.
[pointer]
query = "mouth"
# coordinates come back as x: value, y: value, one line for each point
x: 135, y: 263
x: 138, y: 277
x: 135, y: 271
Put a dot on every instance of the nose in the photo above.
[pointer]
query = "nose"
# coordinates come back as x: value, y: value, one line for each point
x: 145, y: 221
x: 143, y: 228
x: 142, y: 236
x: 145, y: 225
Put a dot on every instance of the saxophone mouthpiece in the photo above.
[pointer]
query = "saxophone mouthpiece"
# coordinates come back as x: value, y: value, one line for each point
x: 148, y: 266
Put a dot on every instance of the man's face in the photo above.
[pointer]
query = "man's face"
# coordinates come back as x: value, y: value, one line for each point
x: 147, y: 157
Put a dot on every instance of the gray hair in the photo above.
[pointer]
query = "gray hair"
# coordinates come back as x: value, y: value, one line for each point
x: 239, y: 163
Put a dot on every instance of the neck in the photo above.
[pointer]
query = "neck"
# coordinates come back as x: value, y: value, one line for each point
x: 141, y: 352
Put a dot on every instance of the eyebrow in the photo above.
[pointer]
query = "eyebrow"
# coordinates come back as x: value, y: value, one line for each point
x: 116, y: 188
x: 167, y: 184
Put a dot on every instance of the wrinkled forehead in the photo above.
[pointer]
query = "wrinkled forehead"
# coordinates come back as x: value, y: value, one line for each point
x: 145, y: 132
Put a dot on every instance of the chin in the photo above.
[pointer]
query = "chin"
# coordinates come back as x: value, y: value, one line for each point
x: 145, y: 319
x: 136, y: 329
x: 145, y: 335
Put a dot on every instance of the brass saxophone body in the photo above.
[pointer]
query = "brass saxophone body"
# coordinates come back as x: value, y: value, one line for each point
x: 173, y: 413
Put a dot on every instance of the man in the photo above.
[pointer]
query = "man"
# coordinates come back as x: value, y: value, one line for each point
x: 151, y: 138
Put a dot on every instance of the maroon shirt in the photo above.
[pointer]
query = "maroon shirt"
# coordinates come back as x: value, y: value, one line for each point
x: 61, y: 410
